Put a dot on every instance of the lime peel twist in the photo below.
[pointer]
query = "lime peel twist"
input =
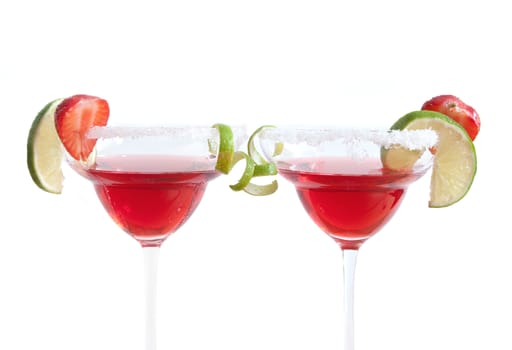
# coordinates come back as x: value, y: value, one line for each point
x: 225, y: 148
x: 255, y: 164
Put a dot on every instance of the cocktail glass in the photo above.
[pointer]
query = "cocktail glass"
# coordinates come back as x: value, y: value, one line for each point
x: 341, y: 181
x: 150, y: 180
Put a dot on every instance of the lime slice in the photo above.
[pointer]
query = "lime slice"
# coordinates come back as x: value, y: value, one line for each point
x: 455, y: 161
x: 44, y: 151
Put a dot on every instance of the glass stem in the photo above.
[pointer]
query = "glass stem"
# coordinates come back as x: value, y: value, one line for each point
x: 349, y: 267
x: 150, y: 275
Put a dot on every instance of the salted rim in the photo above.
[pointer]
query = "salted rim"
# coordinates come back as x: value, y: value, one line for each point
x: 109, y: 132
x: 411, y: 139
x: 176, y: 132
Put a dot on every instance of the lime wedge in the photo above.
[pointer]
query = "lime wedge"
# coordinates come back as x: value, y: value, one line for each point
x: 44, y: 151
x: 455, y: 161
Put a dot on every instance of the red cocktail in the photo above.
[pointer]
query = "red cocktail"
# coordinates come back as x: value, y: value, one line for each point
x: 344, y: 186
x: 347, y: 199
x: 150, y: 180
x: 152, y: 199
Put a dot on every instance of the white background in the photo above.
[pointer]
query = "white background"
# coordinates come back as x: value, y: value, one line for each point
x: 244, y: 272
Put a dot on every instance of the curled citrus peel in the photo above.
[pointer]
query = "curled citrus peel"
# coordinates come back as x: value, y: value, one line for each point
x: 248, y: 173
x: 226, y: 148
x: 263, y: 167
x: 255, y: 164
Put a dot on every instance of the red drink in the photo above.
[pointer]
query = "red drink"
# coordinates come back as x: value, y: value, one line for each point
x: 149, y: 197
x: 348, y: 199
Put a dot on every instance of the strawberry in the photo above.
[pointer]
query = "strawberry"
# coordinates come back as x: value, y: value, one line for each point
x: 457, y: 110
x: 74, y: 117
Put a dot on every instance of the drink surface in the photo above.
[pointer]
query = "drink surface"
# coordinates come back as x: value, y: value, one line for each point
x: 348, y: 199
x: 150, y: 197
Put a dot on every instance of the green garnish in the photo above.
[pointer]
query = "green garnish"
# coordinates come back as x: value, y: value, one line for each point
x: 255, y: 164
x: 226, y: 148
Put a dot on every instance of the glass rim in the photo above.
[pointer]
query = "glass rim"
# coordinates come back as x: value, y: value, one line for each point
x: 314, y: 135
x: 170, y: 130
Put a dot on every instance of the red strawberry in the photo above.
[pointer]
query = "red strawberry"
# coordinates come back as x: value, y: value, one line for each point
x: 73, y: 119
x: 454, y: 108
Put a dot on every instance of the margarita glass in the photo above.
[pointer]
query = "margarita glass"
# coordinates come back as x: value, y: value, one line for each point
x: 150, y: 180
x: 344, y: 187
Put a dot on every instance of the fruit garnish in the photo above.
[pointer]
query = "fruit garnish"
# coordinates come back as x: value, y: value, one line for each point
x: 455, y: 163
x: 457, y: 110
x: 262, y: 167
x: 399, y: 158
x: 226, y: 148
x: 74, y: 117
x: 248, y: 172
x: 255, y: 165
x: 44, y: 150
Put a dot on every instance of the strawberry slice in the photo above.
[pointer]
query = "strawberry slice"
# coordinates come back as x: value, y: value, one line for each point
x: 74, y: 117
x: 457, y: 110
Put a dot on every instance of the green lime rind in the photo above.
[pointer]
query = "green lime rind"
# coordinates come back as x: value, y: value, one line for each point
x: 261, y: 190
x: 455, y: 161
x: 226, y: 148
x: 262, y: 166
x: 247, y: 175
x: 255, y: 163
x: 267, y: 169
x: 44, y: 150
x: 251, y: 147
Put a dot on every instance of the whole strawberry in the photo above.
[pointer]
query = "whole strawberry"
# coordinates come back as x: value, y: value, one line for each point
x: 457, y: 110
